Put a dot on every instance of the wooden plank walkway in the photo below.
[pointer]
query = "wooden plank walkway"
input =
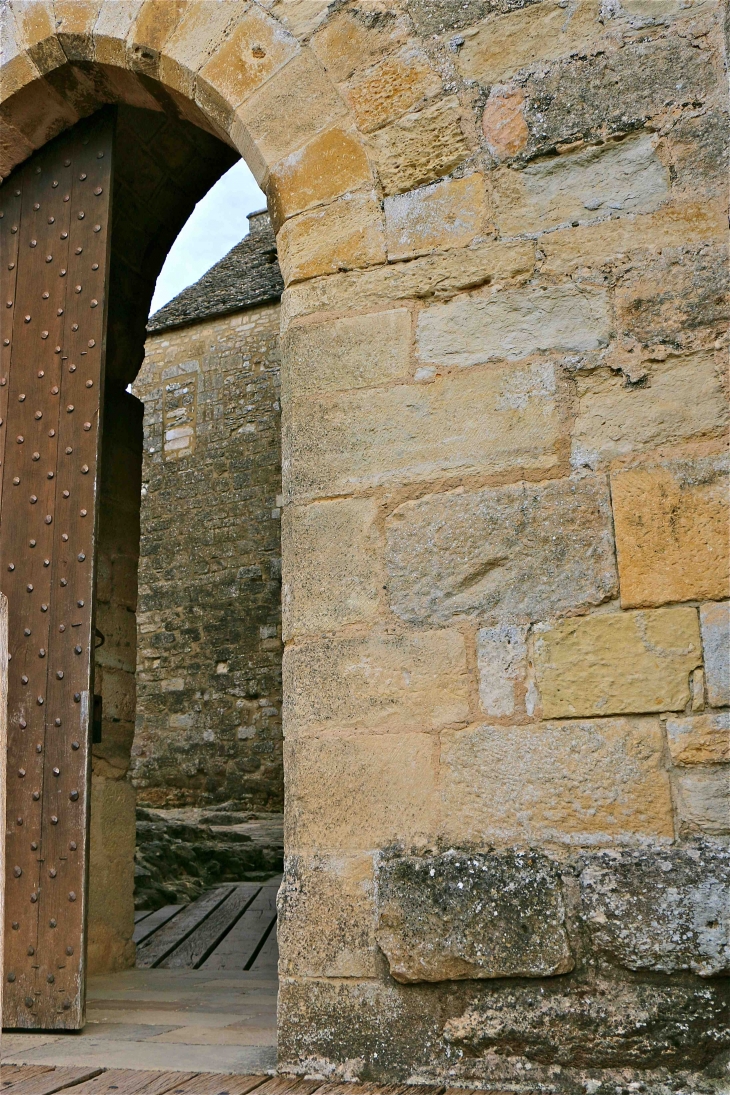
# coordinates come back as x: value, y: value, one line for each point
x: 33, y: 1080
x: 230, y: 927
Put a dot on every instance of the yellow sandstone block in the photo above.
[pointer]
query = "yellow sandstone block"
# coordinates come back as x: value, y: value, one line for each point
x: 255, y: 49
x: 347, y: 43
x: 420, y: 147
x: 397, y: 84
x: 443, y: 215
x: 332, y: 163
x: 671, y: 523
x: 702, y: 739
x: 617, y: 662
x: 345, y: 235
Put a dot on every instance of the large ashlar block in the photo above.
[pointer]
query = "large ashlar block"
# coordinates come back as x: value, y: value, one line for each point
x: 617, y: 663
x: 715, y: 627
x: 443, y: 215
x: 506, y: 916
x: 326, y: 923
x: 345, y: 235
x: 416, y: 681
x: 255, y: 48
x: 31, y: 28
x: 331, y: 804
x: 700, y: 739
x: 332, y: 565
x: 493, y: 420
x: 396, y: 84
x: 513, y: 323
x: 111, y: 873
x: 155, y: 23
x: 582, y: 782
x: 616, y: 417
x: 503, y: 44
x: 352, y: 352
x: 198, y: 33
x: 420, y: 147
x: 433, y: 276
x: 671, y: 523
x: 74, y: 27
x: 332, y: 163
x: 703, y: 800
x: 267, y: 128
x: 505, y: 554
x: 111, y: 30
x: 348, y: 43
x: 626, y: 177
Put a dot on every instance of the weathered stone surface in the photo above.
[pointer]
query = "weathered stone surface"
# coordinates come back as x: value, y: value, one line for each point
x: 496, y: 553
x: 344, y: 235
x: 393, y: 682
x: 493, y: 420
x: 111, y: 873
x: 617, y: 663
x: 616, y: 417
x: 599, y: 1023
x: 198, y: 32
x: 437, y: 217
x: 326, y: 924
x: 703, y: 800
x: 331, y: 164
x: 332, y: 569
x: 663, y: 911
x: 513, y: 323
x: 715, y: 628
x: 502, y: 663
x: 574, y: 189
x: 434, y: 276
x: 396, y: 84
x: 481, y: 915
x: 330, y: 806
x: 503, y: 121
x: 503, y: 44
x: 671, y: 523
x: 353, y: 40
x: 701, y: 739
x: 575, y: 782
x: 256, y: 48
x: 438, y: 16
x: 352, y: 352
x: 419, y: 147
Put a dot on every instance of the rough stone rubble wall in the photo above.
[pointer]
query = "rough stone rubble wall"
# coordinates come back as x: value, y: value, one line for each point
x: 502, y: 229
x: 209, y: 619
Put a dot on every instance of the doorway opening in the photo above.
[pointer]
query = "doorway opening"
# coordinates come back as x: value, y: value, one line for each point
x: 205, y: 754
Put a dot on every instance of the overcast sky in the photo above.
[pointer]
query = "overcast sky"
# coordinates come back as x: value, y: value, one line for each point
x: 217, y: 224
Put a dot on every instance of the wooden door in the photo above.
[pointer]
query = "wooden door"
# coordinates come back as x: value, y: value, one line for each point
x: 54, y: 254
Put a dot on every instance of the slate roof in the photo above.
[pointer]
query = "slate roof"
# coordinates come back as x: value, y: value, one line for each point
x: 248, y: 275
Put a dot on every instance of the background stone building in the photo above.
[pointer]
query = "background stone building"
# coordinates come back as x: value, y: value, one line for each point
x: 208, y: 724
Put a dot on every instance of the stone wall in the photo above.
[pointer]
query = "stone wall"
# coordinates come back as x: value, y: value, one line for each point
x: 209, y: 618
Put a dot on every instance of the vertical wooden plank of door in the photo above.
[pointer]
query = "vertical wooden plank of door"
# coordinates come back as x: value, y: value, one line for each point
x: 3, y: 769
x: 66, y: 797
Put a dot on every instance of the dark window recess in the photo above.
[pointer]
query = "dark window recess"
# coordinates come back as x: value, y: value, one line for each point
x: 96, y: 724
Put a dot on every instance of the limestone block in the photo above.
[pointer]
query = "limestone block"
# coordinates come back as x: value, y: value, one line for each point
x: 612, y: 179
x: 28, y: 45
x: 514, y: 323
x: 396, y: 84
x: 703, y: 800
x: 502, y: 662
x: 701, y: 739
x: 497, y: 419
x: 301, y: 17
x: 675, y: 224
x: 506, y: 916
x: 583, y: 782
x: 617, y: 663
x: 199, y: 32
x: 616, y: 417
x: 332, y: 568
x: 154, y: 25
x: 350, y: 40
x: 415, y: 681
x: 502, y: 44
x: 347, y: 234
x: 664, y: 911
x: 434, y: 276
x: 267, y: 128
x: 331, y: 799
x: 420, y: 147
x: 352, y: 352
x: 671, y: 523
x: 255, y: 48
x: 506, y: 554
x: 326, y: 924
x: 503, y: 121
x: 111, y: 876
x: 332, y: 163
x: 436, y: 217
x: 715, y: 628
x: 74, y: 27
x: 111, y: 30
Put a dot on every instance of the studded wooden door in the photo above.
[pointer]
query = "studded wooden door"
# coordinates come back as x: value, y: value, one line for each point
x: 54, y: 246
